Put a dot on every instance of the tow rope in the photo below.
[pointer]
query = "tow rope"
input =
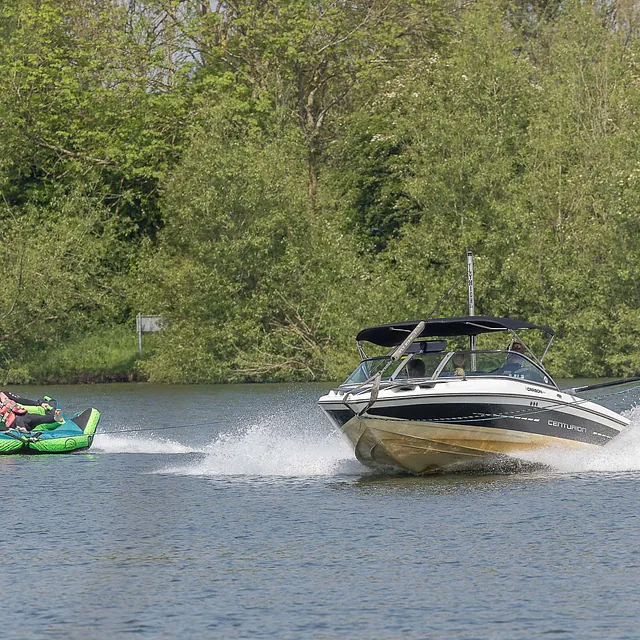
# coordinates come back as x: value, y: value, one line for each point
x: 177, y: 426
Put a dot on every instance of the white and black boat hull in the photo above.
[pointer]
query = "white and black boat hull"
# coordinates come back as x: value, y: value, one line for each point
x: 424, y: 430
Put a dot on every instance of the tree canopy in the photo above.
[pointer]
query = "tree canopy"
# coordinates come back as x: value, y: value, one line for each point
x: 272, y: 176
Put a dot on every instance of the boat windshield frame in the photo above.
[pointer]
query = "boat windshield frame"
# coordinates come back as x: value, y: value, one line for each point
x: 446, y: 357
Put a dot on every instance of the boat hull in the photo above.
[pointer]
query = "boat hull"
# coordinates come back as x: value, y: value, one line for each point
x: 424, y: 429
x: 429, y: 447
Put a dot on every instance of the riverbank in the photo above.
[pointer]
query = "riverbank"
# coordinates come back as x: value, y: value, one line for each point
x: 112, y: 355
x: 108, y: 355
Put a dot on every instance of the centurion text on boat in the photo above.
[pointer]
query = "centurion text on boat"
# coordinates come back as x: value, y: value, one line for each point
x: 422, y: 407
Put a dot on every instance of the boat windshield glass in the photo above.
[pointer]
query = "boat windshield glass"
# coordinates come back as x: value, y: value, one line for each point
x: 461, y: 363
x: 368, y: 368
x: 419, y: 366
x: 494, y: 363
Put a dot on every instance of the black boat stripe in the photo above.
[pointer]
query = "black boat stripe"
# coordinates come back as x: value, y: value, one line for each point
x: 527, y: 410
x: 554, y: 423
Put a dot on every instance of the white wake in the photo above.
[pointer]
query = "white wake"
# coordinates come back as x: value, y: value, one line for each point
x: 621, y: 454
x: 285, y: 448
x: 109, y: 443
x: 268, y: 449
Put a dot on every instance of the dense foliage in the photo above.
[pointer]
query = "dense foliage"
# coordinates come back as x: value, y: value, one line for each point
x: 272, y: 176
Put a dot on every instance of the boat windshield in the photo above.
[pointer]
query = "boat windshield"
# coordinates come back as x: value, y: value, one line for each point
x: 421, y: 365
x: 368, y: 368
x: 494, y: 363
x: 456, y: 364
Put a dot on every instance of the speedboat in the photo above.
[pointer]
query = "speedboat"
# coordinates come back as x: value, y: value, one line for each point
x: 425, y: 407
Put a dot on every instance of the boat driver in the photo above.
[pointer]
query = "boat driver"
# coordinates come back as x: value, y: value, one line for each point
x: 514, y: 360
x: 518, y: 367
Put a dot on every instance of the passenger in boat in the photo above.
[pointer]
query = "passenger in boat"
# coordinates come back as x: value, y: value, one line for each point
x: 459, y: 364
x: 518, y: 347
x: 13, y: 414
x: 416, y: 368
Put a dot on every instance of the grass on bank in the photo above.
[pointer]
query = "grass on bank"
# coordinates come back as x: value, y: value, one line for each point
x: 107, y: 355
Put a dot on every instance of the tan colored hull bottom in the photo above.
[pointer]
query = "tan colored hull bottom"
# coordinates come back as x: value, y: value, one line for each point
x: 427, y: 447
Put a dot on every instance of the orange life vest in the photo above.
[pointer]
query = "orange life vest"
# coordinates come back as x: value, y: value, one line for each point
x: 8, y: 410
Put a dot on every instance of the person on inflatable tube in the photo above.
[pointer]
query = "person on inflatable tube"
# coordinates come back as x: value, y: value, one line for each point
x: 24, y: 414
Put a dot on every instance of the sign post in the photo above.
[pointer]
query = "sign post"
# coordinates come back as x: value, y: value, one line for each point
x: 150, y: 324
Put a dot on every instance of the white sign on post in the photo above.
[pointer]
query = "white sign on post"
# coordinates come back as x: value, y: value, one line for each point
x: 148, y: 324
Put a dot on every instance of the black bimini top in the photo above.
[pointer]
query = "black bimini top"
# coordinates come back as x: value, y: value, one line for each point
x: 389, y: 335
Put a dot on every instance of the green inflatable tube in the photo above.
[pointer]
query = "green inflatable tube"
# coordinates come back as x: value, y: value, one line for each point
x: 73, y: 434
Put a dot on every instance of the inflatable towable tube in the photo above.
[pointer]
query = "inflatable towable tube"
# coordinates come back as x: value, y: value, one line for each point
x: 73, y: 434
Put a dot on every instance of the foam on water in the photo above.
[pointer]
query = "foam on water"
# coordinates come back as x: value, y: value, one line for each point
x: 621, y: 454
x: 274, y: 449
x: 139, y: 444
x: 271, y: 449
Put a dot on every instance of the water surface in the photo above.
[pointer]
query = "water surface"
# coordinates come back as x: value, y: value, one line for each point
x: 249, y: 518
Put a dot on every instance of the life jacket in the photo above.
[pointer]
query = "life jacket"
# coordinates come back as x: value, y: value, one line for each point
x: 8, y: 410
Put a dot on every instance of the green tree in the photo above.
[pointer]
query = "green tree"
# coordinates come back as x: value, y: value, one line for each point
x: 251, y: 282
x: 305, y: 59
x: 82, y: 103
x: 57, y: 275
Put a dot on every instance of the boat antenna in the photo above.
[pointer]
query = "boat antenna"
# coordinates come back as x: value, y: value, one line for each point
x: 472, y: 305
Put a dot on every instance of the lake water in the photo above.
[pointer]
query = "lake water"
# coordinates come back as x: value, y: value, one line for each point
x: 257, y: 522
